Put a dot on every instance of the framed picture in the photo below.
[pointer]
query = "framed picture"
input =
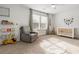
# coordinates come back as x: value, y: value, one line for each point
x: 4, y: 11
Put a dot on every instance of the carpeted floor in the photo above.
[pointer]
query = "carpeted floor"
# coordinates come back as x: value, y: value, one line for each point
x: 50, y: 44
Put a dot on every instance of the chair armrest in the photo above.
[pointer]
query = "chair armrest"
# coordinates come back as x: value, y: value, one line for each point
x: 34, y: 32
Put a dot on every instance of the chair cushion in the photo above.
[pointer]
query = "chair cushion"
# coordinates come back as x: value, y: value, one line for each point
x: 32, y: 34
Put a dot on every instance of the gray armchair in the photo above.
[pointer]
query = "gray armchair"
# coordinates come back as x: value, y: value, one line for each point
x: 26, y: 35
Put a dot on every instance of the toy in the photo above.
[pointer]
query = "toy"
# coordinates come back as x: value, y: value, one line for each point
x: 10, y: 39
x: 6, y: 22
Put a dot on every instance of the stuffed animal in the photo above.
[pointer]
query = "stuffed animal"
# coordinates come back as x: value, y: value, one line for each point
x: 10, y: 39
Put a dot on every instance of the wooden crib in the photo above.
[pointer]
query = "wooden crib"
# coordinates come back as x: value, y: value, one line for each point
x: 69, y: 32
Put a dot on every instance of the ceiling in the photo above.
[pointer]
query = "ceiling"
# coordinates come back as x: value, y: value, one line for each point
x: 48, y: 9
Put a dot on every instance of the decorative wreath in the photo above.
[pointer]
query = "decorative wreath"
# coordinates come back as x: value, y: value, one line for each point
x: 68, y: 21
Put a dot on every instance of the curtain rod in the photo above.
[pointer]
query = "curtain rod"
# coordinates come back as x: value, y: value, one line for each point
x: 39, y: 11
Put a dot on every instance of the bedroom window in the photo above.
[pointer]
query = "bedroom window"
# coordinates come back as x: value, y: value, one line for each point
x: 40, y: 23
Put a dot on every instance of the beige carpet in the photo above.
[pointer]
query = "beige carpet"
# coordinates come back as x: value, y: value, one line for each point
x: 50, y: 44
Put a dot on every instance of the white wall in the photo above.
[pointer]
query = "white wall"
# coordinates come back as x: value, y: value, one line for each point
x: 18, y: 14
x: 59, y: 20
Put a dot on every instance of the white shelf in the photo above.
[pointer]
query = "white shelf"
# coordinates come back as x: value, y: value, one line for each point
x: 3, y: 34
